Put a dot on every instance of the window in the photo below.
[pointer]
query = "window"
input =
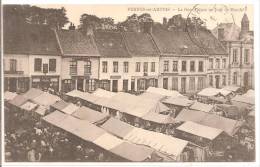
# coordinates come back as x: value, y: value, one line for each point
x: 73, y: 67
x: 192, y: 83
x: 246, y: 56
x: 200, y: 66
x: 175, y: 83
x: 210, y: 80
x: 235, y: 55
x: 200, y: 83
x: 166, y: 66
x: 115, y: 66
x: 145, y: 66
x: 37, y: 64
x: 224, y: 65
x: 13, y: 65
x: 104, y: 66
x: 153, y: 67
x: 192, y: 66
x: 52, y: 65
x: 224, y: 78
x: 183, y: 66
x: 138, y: 67
x: 210, y: 63
x: 126, y: 67
x: 175, y: 66
x: 235, y: 78
x: 217, y: 63
x: 87, y: 68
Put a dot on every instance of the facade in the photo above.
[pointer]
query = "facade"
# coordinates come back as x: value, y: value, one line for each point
x: 239, y: 45
x: 80, y: 61
x: 31, y: 58
x: 184, y: 57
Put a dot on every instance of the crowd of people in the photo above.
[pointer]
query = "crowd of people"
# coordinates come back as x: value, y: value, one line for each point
x: 37, y: 141
x: 27, y: 138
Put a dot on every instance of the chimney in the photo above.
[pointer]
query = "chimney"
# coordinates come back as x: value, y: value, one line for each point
x: 148, y: 27
x: 164, y: 21
x: 220, y: 34
x: 72, y: 27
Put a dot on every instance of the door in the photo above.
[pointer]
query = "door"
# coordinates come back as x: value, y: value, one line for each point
x: 246, y: 79
x: 80, y: 83
x: 12, y: 84
x: 125, y: 85
x: 165, y: 83
x: 114, y: 85
x: 217, y: 81
x: 132, y: 85
x: 183, y: 85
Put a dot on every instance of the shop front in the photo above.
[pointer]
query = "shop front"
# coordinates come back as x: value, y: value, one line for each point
x: 144, y: 83
x: 16, y: 84
x: 84, y: 84
x: 44, y: 82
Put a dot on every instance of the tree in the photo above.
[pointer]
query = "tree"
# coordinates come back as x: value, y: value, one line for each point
x: 21, y: 14
x: 87, y: 21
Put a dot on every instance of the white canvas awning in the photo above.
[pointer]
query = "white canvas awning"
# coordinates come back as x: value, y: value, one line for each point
x: 70, y: 109
x: 164, y: 92
x: 9, y: 95
x: 28, y: 106
x: 200, y: 130
x: 202, y: 107
x: 103, y: 93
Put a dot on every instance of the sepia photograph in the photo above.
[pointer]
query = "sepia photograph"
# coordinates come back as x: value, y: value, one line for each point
x: 128, y: 83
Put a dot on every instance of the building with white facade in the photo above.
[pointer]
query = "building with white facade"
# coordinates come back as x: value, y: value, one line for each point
x: 239, y: 43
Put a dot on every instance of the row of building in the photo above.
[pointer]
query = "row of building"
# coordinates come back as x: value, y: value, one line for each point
x: 171, y: 56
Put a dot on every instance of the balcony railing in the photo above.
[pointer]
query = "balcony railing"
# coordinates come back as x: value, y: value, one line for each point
x: 14, y: 72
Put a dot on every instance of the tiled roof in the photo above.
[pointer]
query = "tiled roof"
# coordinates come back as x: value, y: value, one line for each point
x: 231, y: 31
x: 111, y: 44
x: 75, y: 43
x: 209, y: 42
x: 174, y: 42
x: 30, y: 39
x: 139, y: 43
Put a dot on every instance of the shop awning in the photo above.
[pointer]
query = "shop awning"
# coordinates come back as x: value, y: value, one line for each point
x: 117, y: 127
x: 200, y: 130
x: 231, y: 88
x: 103, y: 93
x: 224, y: 92
x: 18, y: 100
x: 85, y: 113
x: 154, y: 96
x: 83, y: 95
x: 33, y: 93
x: 41, y: 110
x: 46, y: 99
x: 55, y: 118
x: 190, y: 115
x: 202, y: 107
x: 209, y: 92
x: 229, y: 126
x: 71, y: 108
x: 178, y: 101
x: 60, y: 105
x: 158, y: 118
x: 158, y: 141
x: 9, y: 95
x: 28, y: 106
x: 107, y: 141
x: 163, y: 92
x: 244, y: 99
x: 132, y: 152
x: 250, y: 93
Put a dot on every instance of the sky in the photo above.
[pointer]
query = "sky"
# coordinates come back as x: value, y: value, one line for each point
x: 211, y: 14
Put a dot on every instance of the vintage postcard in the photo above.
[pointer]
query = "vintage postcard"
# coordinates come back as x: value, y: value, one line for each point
x: 129, y: 83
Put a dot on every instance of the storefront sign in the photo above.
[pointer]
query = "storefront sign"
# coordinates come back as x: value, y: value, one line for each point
x: 115, y: 77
